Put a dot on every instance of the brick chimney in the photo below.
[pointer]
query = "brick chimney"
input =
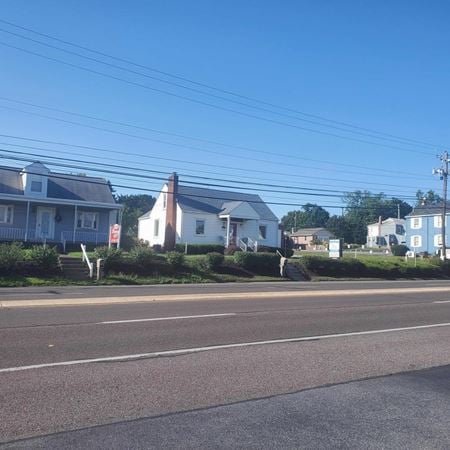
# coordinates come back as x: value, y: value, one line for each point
x: 171, y: 213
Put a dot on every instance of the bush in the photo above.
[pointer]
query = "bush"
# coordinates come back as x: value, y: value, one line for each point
x: 214, y: 260
x: 260, y: 263
x: 199, y: 249
x: 10, y: 256
x: 45, y: 258
x: 175, y: 259
x: 323, y: 266
x: 399, y: 250
x: 231, y: 250
x: 142, y: 255
x: 265, y: 249
x: 111, y: 256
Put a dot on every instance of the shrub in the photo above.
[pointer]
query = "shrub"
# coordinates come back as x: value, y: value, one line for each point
x: 260, y: 263
x: 265, y: 249
x: 399, y: 250
x: 323, y: 266
x: 231, y: 250
x: 111, y: 256
x: 199, y: 249
x: 45, y: 258
x: 214, y: 260
x: 142, y: 255
x: 10, y: 256
x: 175, y: 259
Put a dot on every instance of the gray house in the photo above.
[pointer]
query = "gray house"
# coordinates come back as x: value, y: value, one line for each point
x: 37, y: 205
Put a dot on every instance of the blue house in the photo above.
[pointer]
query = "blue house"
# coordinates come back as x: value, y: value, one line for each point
x: 423, y: 229
x: 37, y: 205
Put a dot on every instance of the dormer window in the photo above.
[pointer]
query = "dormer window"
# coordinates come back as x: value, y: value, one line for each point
x: 36, y: 186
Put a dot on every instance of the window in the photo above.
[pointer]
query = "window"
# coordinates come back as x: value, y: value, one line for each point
x: 438, y: 221
x: 199, y: 227
x: 87, y: 220
x: 416, y: 241
x: 399, y: 229
x: 262, y: 232
x: 156, y: 227
x: 6, y: 214
x: 416, y: 223
x: 438, y: 240
x: 36, y: 186
x: 164, y: 200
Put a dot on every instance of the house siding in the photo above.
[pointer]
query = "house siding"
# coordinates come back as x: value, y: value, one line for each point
x: 427, y: 231
x: 146, y: 225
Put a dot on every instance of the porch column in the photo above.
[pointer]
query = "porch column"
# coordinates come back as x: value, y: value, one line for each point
x: 228, y: 230
x: 26, y: 222
x: 75, y: 219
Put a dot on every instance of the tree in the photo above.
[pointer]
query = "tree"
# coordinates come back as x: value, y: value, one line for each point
x: 134, y: 206
x: 309, y: 216
x: 428, y: 198
x: 364, y: 208
x: 340, y: 227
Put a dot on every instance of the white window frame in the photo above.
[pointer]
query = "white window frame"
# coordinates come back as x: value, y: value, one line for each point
x: 34, y: 190
x: 5, y: 217
x: 415, y: 226
x: 204, y: 227
x: 261, y: 236
x: 164, y: 199
x: 438, y: 240
x: 419, y: 239
x: 81, y: 220
x: 156, y: 228
x: 438, y: 221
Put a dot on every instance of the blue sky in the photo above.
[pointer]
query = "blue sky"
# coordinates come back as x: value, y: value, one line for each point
x: 378, y: 65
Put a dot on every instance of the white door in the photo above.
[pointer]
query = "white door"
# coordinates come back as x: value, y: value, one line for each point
x: 45, y: 223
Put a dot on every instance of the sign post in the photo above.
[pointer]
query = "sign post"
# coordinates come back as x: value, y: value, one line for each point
x: 114, y: 235
x: 335, y: 248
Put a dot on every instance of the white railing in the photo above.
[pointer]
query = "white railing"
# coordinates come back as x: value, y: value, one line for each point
x: 242, y: 245
x: 86, y: 259
x: 252, y: 244
x: 12, y: 234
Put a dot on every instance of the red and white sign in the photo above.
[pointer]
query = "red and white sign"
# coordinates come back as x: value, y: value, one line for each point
x: 114, y: 234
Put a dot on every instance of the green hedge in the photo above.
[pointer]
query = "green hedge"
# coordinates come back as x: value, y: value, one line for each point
x: 200, y: 249
x: 259, y: 263
x: 372, y: 267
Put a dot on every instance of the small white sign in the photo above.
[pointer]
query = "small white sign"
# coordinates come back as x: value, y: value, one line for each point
x: 335, y: 248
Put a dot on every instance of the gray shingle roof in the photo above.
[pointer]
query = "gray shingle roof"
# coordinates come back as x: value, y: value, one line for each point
x: 195, y: 199
x: 427, y: 210
x: 60, y: 186
x: 309, y: 231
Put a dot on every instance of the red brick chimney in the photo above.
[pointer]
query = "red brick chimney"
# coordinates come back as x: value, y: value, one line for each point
x: 171, y: 213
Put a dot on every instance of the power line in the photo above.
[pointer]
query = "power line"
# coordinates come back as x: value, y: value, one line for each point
x: 105, y: 183
x: 238, y: 147
x: 102, y: 170
x: 229, y: 92
x: 201, y: 102
x: 198, y: 91
x: 108, y: 150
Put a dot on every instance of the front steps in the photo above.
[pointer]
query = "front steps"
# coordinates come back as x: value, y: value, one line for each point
x: 73, y: 268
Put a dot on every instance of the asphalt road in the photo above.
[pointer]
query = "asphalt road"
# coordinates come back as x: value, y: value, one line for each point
x: 202, y: 394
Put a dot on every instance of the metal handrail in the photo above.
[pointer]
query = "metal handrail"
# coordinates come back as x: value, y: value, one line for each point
x: 86, y: 258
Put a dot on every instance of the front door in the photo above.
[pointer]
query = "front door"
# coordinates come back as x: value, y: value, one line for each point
x: 233, y: 233
x: 45, y: 223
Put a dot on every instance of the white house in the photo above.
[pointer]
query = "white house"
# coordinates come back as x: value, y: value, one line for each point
x: 386, y: 232
x: 193, y: 215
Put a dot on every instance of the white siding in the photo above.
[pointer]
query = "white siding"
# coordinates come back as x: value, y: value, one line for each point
x: 214, y: 234
x: 146, y: 227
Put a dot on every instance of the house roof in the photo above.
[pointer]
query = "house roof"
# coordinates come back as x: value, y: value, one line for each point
x: 309, y: 231
x: 60, y: 186
x: 204, y: 200
x: 388, y: 220
x: 427, y: 210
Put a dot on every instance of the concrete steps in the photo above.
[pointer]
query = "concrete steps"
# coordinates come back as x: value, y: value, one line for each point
x: 73, y: 268
x: 294, y: 273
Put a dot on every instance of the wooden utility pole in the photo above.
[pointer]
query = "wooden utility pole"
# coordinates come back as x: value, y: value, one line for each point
x: 443, y: 173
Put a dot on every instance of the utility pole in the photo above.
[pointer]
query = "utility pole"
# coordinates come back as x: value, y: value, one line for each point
x: 443, y: 174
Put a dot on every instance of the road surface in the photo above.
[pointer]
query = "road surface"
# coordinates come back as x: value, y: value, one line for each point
x: 274, y: 371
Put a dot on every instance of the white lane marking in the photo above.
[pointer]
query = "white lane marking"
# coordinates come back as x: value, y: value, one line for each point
x: 217, y: 347
x: 442, y: 301
x: 156, y: 319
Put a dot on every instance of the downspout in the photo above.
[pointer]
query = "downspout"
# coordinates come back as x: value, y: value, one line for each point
x: 75, y: 219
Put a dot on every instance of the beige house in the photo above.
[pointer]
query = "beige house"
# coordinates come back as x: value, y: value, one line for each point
x: 310, y: 238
